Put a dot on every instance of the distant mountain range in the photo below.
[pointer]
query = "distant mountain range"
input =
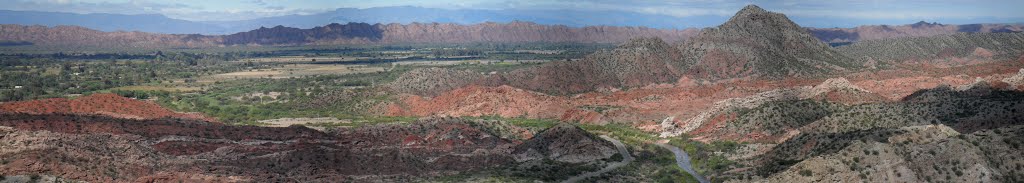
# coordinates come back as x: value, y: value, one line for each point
x: 394, y: 25
x: 408, y: 15
x: 333, y: 34
x: 155, y: 23
x: 110, y: 22
x: 919, y: 29
x: 383, y: 15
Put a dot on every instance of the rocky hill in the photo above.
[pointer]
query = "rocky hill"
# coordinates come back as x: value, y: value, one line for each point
x: 999, y: 46
x: 761, y: 44
x: 163, y: 150
x: 945, y: 133
x: 171, y: 150
x: 332, y: 33
x: 636, y: 63
x: 771, y: 115
x: 432, y: 81
x: 925, y: 153
x: 919, y: 29
x: 564, y: 143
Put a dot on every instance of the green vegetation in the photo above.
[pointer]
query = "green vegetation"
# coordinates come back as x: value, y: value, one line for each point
x: 652, y: 164
x: 529, y: 123
x: 959, y: 45
x: 671, y: 175
x: 703, y: 156
x: 27, y: 77
x: 544, y: 170
x: 599, y: 108
x: 192, y: 80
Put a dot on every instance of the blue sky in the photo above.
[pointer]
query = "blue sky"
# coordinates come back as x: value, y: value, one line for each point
x: 816, y: 11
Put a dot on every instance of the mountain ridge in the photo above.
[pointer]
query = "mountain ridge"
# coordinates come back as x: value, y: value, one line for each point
x: 351, y: 33
x: 408, y: 14
x: 759, y: 43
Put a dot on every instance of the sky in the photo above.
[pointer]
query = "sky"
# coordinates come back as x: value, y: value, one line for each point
x: 867, y: 11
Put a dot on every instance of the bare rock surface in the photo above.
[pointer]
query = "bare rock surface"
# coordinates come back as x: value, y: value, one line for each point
x: 565, y: 143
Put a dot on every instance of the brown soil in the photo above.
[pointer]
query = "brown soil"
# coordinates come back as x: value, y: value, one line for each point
x: 107, y: 104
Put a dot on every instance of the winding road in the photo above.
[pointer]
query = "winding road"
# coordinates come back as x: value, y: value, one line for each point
x: 626, y: 159
x: 683, y: 160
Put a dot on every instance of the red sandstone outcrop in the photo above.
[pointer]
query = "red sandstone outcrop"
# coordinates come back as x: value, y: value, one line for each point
x: 107, y: 104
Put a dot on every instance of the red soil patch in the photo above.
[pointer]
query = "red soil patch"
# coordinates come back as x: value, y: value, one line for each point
x: 582, y: 116
x: 504, y: 101
x: 106, y: 104
x: 715, y: 123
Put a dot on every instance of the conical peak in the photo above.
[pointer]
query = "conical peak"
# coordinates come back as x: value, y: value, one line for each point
x: 751, y: 9
x: 753, y: 17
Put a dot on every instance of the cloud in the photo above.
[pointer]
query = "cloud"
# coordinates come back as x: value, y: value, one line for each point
x: 276, y: 7
x: 259, y: 2
x: 131, y: 7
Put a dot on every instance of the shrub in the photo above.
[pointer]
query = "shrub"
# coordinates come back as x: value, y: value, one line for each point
x: 806, y: 173
x: 617, y: 157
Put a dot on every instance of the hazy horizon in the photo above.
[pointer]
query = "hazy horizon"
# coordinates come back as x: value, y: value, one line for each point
x: 695, y: 13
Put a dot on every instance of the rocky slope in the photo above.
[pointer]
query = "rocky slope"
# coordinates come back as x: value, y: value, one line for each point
x: 980, y: 46
x: 919, y: 29
x: 107, y: 104
x: 332, y: 33
x: 565, y: 143
x: 761, y: 44
x: 912, y: 154
x: 905, y: 140
x: 636, y: 63
x: 432, y: 81
x: 1016, y: 80
x: 734, y: 118
x: 169, y: 150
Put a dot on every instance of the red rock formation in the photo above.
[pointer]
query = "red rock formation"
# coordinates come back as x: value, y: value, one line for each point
x: 504, y: 101
x: 107, y: 104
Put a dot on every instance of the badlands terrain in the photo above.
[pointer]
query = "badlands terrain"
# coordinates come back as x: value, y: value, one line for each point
x: 758, y: 98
